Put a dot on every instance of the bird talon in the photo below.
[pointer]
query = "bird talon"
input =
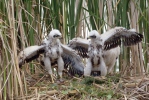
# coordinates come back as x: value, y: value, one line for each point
x: 52, y: 78
x: 60, y: 81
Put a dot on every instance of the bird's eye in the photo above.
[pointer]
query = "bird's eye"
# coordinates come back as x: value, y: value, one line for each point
x: 56, y: 35
x: 93, y: 36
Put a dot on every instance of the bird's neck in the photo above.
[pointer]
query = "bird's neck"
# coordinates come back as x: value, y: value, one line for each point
x: 96, y: 44
x: 54, y: 42
x: 93, y: 41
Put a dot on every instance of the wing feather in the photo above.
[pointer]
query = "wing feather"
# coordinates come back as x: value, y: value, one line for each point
x: 30, y: 53
x: 72, y: 61
x: 118, y: 35
x: 80, y: 45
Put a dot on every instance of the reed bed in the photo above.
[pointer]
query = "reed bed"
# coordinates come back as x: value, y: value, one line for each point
x: 26, y: 22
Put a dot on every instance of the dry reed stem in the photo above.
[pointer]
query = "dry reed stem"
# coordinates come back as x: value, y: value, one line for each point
x: 136, y: 87
x: 138, y: 62
x: 99, y: 86
x: 110, y: 14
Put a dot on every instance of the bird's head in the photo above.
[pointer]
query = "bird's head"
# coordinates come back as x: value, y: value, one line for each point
x: 55, y: 34
x: 93, y: 34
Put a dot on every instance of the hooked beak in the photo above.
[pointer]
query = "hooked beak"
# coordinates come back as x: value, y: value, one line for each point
x: 93, y: 37
x: 58, y: 36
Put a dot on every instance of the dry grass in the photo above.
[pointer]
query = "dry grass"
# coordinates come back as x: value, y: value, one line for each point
x: 112, y: 87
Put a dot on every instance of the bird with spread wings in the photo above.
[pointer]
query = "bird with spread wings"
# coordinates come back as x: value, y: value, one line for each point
x: 54, y: 51
x: 102, y: 50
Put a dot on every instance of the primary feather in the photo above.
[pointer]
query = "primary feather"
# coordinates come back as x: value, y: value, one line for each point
x: 30, y: 53
x: 118, y: 35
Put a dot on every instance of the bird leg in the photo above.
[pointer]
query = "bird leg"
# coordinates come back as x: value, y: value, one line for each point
x: 52, y: 80
x: 103, y: 68
x: 47, y: 64
x: 88, y: 68
x: 60, y: 67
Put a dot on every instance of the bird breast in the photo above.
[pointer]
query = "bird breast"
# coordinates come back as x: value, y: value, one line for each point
x: 94, y: 50
x: 94, y: 55
x: 54, y: 52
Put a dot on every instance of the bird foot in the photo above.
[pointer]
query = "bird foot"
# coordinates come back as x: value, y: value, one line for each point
x: 52, y: 78
x: 60, y: 81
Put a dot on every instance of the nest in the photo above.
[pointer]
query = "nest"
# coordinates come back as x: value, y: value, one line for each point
x: 111, y: 87
x: 135, y: 88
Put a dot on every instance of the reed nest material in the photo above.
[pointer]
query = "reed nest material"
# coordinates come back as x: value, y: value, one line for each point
x: 112, y: 87
x: 136, y: 88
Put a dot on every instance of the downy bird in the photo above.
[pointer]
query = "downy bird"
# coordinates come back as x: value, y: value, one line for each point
x: 102, y: 50
x: 54, y: 51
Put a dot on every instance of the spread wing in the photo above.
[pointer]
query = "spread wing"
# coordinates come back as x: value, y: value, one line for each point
x: 118, y: 35
x: 80, y: 45
x: 72, y: 61
x: 30, y: 53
